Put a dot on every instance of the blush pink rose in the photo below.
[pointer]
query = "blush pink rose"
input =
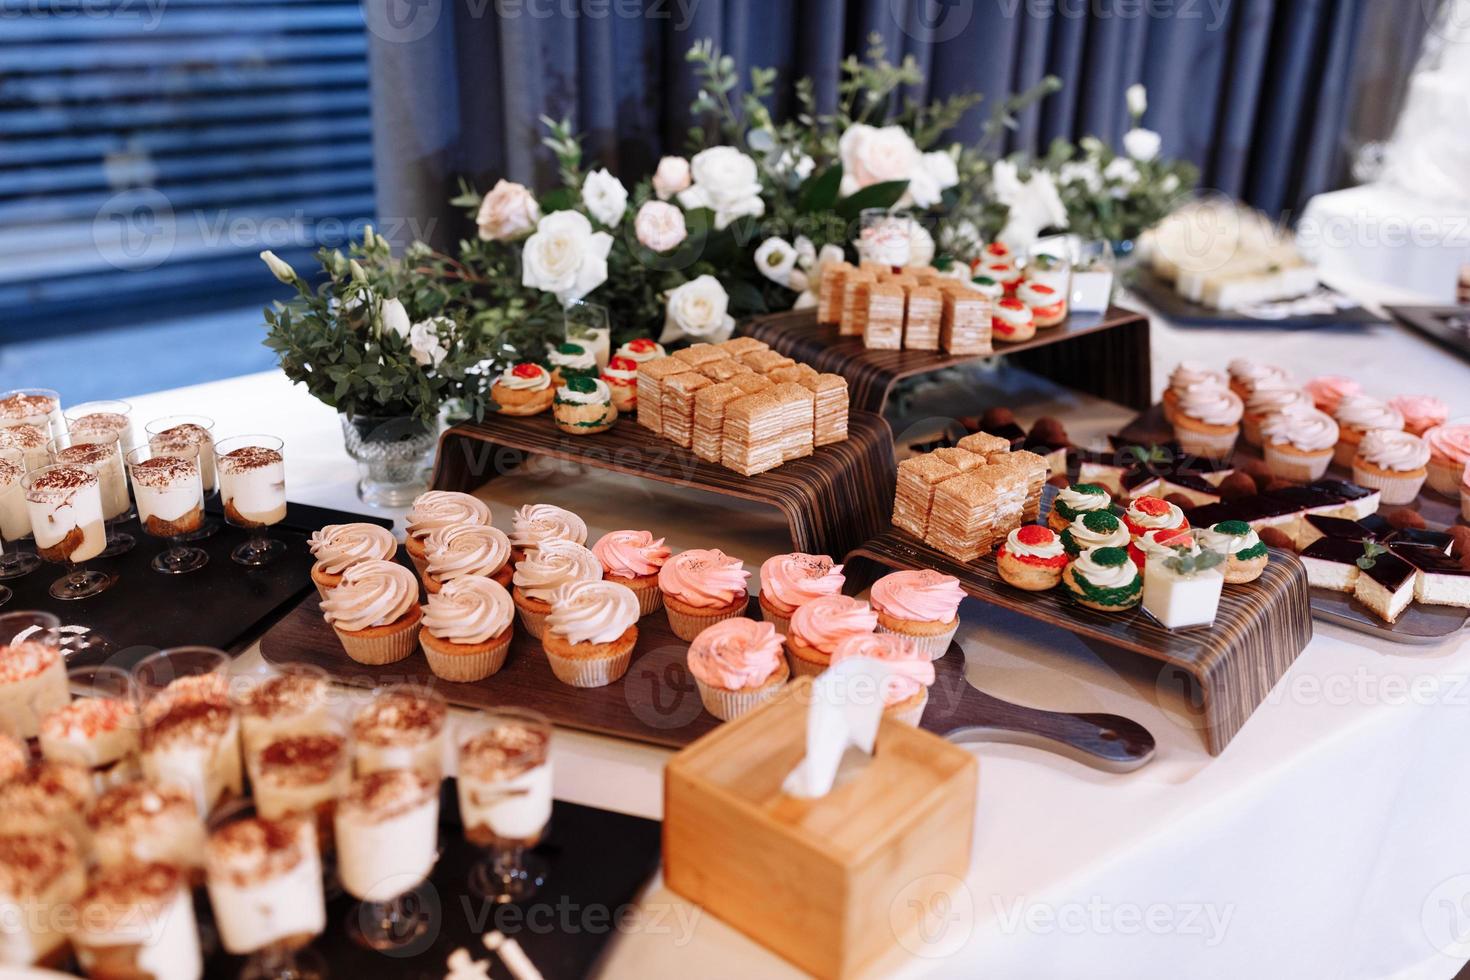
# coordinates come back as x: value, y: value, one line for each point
x: 671, y: 177
x: 507, y: 212
x: 660, y: 226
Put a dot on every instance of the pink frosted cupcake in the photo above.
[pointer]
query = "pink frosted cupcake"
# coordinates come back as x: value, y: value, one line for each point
x: 1328, y: 391
x: 789, y: 582
x: 375, y: 612
x: 1298, y: 445
x: 467, y: 629
x: 536, y: 579
x: 338, y: 547
x: 1207, y: 420
x: 1393, y: 462
x: 906, y: 689
x: 921, y: 606
x: 1184, y: 375
x: 1465, y: 495
x: 1265, y: 402
x: 466, y: 549
x: 818, y: 626
x: 700, y: 588
x: 737, y: 664
x: 1421, y: 412
x: 1358, y: 415
x: 633, y: 559
x: 436, y: 509
x: 1449, y: 451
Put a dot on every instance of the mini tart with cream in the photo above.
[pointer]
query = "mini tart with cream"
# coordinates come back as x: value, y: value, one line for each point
x: 571, y: 360
x: 1153, y: 514
x: 640, y: 350
x: 466, y: 549
x: 584, y: 406
x: 591, y: 632
x: 1246, y: 554
x: 988, y: 287
x: 737, y: 663
x: 1074, y: 501
x: 1048, y: 306
x: 523, y: 389
x: 789, y: 582
x: 337, y: 547
x: 375, y: 612
x: 1032, y: 558
x: 997, y: 253
x: 621, y: 377
x: 538, y: 577
x: 921, y: 605
x: 467, y: 628
x: 1159, y: 544
x: 1004, y: 273
x: 1098, y: 529
x: 1104, y: 579
x: 633, y: 559
x: 1012, y: 320
x: 818, y: 626
x: 701, y: 587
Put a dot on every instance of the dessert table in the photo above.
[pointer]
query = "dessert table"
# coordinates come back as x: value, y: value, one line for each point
x: 1326, y: 841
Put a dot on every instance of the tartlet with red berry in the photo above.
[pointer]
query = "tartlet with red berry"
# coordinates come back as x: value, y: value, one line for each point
x: 1147, y: 514
x: 1048, y: 307
x: 1012, y: 321
x: 1159, y: 544
x: 621, y: 375
x: 523, y: 389
x: 1032, y: 558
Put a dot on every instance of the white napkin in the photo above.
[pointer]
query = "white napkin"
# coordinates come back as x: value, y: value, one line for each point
x: 847, y: 705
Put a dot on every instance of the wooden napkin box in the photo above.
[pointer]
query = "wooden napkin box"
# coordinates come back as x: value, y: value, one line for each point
x: 831, y: 884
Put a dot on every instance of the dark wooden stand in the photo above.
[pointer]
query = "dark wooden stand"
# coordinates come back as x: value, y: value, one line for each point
x: 832, y: 500
x: 1106, y: 355
x: 1225, y: 670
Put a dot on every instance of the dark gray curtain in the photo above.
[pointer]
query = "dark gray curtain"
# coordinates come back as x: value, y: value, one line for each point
x: 1254, y: 91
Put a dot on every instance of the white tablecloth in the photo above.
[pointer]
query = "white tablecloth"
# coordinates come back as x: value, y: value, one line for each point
x: 1326, y: 841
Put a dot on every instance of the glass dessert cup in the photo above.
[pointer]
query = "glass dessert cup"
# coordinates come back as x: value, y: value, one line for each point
x: 39, y: 689
x: 885, y: 237
x: 191, y: 732
x: 387, y: 844
x: 174, y: 435
x: 504, y: 784
x: 587, y: 324
x: 252, y: 485
x: 46, y: 413
x: 67, y: 496
x: 403, y: 726
x: 104, y: 741
x: 101, y: 450
x: 107, y: 415
x: 170, y: 501
x: 15, y: 521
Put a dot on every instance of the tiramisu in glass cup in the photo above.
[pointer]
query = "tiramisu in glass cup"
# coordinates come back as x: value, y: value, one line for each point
x: 402, y: 727
x: 252, y: 489
x: 41, y: 875
x: 145, y: 821
x: 170, y: 504
x: 104, y: 416
x: 291, y: 700
x: 176, y: 434
x: 99, y: 728
x: 102, y: 452
x: 191, y: 734
x: 40, y: 407
x: 32, y: 672
x: 387, y: 842
x: 301, y: 775
x: 30, y: 440
x: 137, y: 920
x: 64, y: 502
x: 49, y: 796
x: 265, y: 886
x: 15, y: 519
x: 505, y: 799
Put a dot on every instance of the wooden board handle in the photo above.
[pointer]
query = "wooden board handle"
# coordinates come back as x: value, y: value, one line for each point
x: 1109, y: 742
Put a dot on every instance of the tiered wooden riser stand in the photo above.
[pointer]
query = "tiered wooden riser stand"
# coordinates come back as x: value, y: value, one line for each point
x: 1106, y: 355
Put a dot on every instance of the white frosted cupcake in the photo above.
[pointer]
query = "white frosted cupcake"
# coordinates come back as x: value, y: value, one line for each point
x: 1395, y: 463
x: 1266, y: 402
x: 1207, y: 420
x: 1188, y: 373
x: 375, y: 612
x: 1358, y: 415
x: 466, y: 549
x: 338, y: 547
x: 1298, y: 445
x: 535, y: 523
x: 467, y: 628
x: 536, y: 579
x: 436, y: 509
x: 590, y: 633
x: 1247, y: 376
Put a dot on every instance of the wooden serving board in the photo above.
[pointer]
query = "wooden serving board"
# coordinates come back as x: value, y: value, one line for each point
x: 831, y: 500
x: 658, y: 702
x: 1418, y: 625
x: 1104, y: 354
x: 1257, y: 634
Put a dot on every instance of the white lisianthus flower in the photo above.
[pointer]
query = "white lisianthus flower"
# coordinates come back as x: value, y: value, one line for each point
x: 726, y: 182
x: 660, y: 226
x: 1169, y: 184
x: 1137, y: 97
x: 829, y: 255
x: 872, y: 155
x: 1082, y: 172
x: 1033, y: 205
x: 565, y: 256
x: 671, y: 177
x: 1122, y: 173
x: 605, y: 197
x: 942, y: 169
x: 508, y: 212
x: 775, y: 258
x: 279, y: 267
x: 921, y: 245
x: 393, y: 318
x: 791, y: 162
x: 1142, y: 144
x: 698, y: 310
x: 428, y: 341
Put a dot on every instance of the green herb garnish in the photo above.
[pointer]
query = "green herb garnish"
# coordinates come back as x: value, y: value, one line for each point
x: 1186, y: 563
x: 1371, y: 551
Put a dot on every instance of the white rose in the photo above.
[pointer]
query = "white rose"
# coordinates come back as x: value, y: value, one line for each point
x: 671, y: 177
x: 507, y: 212
x: 873, y: 156
x: 1137, y: 97
x: 775, y: 258
x: 726, y: 182
x: 942, y: 169
x: 279, y: 267
x: 660, y: 226
x: 1142, y: 144
x: 605, y: 197
x: 392, y: 317
x: 565, y: 256
x: 698, y: 310
x: 428, y: 341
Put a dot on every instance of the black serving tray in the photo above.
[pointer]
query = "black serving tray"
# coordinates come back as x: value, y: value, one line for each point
x: 1448, y: 326
x: 223, y: 605
x: 1183, y: 313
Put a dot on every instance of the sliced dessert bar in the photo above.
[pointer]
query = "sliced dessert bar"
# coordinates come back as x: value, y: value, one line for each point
x: 739, y: 346
x: 883, y: 326
x: 651, y: 376
x: 1386, y: 586
x: 796, y: 432
x: 678, y: 406
x: 965, y: 324
x: 1442, y: 581
x: 830, y: 408
x: 855, y: 302
x: 985, y: 445
x: 1332, y: 563
x: 709, y: 419
x: 831, y: 291
x: 923, y: 318
x: 752, y: 438
x: 698, y: 354
x: 913, y: 498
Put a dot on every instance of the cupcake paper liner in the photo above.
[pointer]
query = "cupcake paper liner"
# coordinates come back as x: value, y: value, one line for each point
x: 1204, y: 443
x: 1250, y: 430
x: 1398, y: 490
x: 803, y: 668
x: 419, y: 558
x: 782, y: 623
x: 650, y: 598
x: 910, y: 716
x: 534, y: 622
x: 1343, y: 453
x: 935, y: 646
x: 465, y: 667
x: 589, y: 671
x: 727, y: 705
x: 687, y: 627
x: 1295, y: 467
x: 1465, y: 506
x: 374, y: 651
x: 1446, y: 477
